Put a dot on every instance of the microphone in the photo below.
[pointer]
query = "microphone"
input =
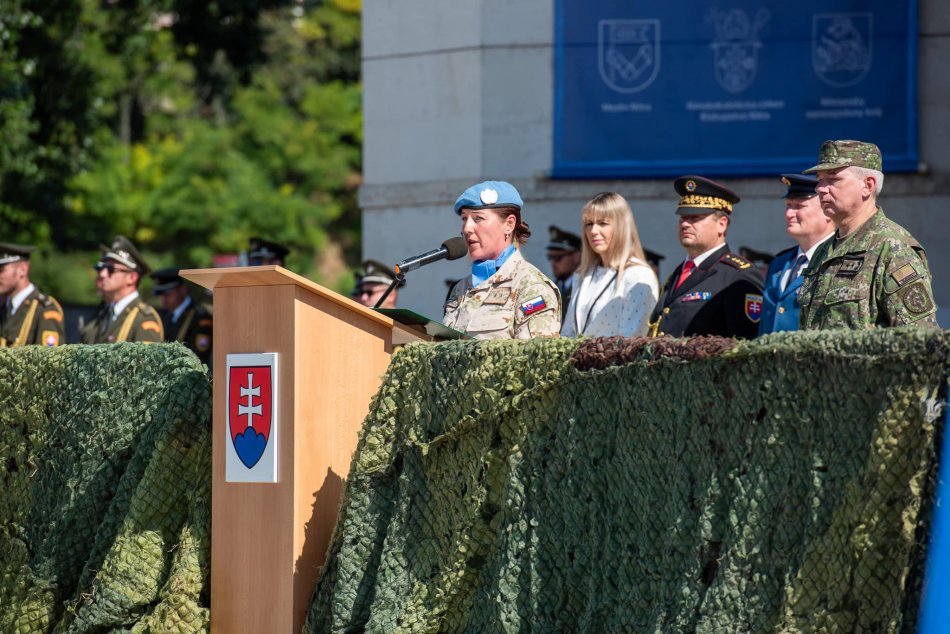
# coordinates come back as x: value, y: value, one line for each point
x: 452, y: 249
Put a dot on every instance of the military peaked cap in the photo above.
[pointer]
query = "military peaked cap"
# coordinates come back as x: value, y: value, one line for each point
x: 700, y: 195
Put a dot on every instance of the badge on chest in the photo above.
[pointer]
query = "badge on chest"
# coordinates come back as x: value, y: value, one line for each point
x: 850, y: 266
x: 498, y: 296
x: 698, y: 296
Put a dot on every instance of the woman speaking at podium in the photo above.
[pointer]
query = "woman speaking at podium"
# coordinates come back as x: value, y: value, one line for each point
x: 505, y: 297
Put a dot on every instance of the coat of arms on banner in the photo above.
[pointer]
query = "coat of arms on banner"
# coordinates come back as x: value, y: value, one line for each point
x: 251, y: 453
x: 628, y: 53
x: 736, y: 47
x: 841, y: 51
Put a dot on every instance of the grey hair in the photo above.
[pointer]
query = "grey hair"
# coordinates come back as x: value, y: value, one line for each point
x: 863, y: 172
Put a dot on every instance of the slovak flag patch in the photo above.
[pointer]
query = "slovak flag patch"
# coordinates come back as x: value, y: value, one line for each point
x: 753, y: 307
x: 251, y: 417
x: 533, y: 306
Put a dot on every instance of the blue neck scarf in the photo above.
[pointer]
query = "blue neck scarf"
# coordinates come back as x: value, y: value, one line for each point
x: 484, y: 269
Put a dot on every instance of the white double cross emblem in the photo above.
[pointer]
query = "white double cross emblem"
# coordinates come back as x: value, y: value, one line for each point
x: 249, y: 410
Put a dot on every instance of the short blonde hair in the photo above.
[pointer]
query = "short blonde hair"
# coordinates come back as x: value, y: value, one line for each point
x: 626, y: 241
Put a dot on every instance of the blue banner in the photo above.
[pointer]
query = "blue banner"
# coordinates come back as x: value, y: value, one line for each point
x: 652, y: 88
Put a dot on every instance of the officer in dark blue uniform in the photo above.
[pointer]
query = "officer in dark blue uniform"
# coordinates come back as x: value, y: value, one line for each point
x: 807, y: 224
x: 713, y: 291
x: 183, y: 319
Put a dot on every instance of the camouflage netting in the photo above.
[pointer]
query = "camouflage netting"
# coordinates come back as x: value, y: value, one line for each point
x: 781, y: 485
x: 105, y: 507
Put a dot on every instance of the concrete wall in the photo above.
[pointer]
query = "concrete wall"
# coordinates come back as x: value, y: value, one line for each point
x: 460, y: 92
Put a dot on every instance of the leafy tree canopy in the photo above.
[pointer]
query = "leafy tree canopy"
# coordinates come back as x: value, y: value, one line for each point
x: 189, y: 127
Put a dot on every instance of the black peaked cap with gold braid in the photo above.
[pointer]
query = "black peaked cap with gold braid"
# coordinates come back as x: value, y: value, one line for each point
x: 699, y: 195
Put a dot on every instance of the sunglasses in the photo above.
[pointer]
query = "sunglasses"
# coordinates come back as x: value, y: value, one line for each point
x: 111, y: 268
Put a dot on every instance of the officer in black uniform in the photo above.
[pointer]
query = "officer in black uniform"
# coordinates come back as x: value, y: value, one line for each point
x: 713, y: 291
x: 654, y: 259
x: 263, y: 252
x: 183, y: 319
x: 564, y: 254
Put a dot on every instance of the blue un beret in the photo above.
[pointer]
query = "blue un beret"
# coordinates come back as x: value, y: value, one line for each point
x: 489, y: 195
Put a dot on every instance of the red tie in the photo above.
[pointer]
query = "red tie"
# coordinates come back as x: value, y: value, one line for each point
x: 687, y: 269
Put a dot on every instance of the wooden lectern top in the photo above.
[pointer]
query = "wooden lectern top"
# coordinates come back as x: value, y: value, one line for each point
x: 273, y: 275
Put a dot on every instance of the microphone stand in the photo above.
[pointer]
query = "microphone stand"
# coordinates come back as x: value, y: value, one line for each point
x: 399, y: 279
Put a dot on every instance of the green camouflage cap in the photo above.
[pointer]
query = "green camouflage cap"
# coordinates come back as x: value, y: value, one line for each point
x: 837, y: 154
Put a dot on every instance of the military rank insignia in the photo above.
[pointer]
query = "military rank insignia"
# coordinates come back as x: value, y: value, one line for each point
x: 498, y: 297
x: 533, y: 306
x: 753, y: 307
x: 698, y: 296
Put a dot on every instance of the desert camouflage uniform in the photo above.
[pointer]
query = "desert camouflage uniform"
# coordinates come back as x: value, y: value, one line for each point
x: 517, y: 302
x: 877, y: 276
x: 38, y: 321
x: 137, y: 322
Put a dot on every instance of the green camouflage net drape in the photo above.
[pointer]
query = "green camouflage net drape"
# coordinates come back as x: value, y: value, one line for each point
x: 105, y: 463
x: 780, y: 485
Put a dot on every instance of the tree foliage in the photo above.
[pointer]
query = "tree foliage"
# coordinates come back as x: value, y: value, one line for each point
x: 189, y: 127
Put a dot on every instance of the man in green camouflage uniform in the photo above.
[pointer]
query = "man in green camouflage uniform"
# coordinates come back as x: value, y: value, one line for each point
x: 518, y: 302
x: 27, y: 316
x: 124, y: 316
x: 872, y: 272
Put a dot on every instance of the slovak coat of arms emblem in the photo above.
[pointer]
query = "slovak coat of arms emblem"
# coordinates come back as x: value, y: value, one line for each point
x: 251, y: 443
x: 628, y: 53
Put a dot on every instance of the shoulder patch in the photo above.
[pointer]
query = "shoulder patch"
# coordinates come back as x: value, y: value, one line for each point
x: 151, y: 325
x: 905, y: 274
x: 202, y: 343
x: 753, y: 307
x: 736, y: 261
x: 53, y: 315
x: 49, y: 338
x: 533, y: 306
x: 916, y: 298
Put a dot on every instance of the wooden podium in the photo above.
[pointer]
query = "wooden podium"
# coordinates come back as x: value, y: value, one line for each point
x: 268, y: 541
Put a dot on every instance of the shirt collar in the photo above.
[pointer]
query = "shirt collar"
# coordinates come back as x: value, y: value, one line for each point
x: 182, y: 307
x: 699, y: 259
x: 484, y: 269
x: 120, y: 305
x: 810, y: 253
x: 18, y: 299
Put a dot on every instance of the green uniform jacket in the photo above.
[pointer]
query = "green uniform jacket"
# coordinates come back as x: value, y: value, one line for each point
x: 878, y: 276
x: 138, y: 322
x: 517, y: 302
x: 38, y: 321
x: 194, y: 328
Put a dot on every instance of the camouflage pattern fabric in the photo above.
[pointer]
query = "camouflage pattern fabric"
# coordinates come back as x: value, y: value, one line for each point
x: 778, y: 485
x: 137, y: 323
x: 105, y: 465
x: 837, y: 154
x: 517, y: 302
x: 878, y: 276
x: 38, y: 321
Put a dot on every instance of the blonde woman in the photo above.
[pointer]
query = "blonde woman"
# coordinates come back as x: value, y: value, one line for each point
x: 616, y: 289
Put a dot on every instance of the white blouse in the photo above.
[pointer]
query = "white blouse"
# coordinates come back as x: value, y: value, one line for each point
x: 601, y: 308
